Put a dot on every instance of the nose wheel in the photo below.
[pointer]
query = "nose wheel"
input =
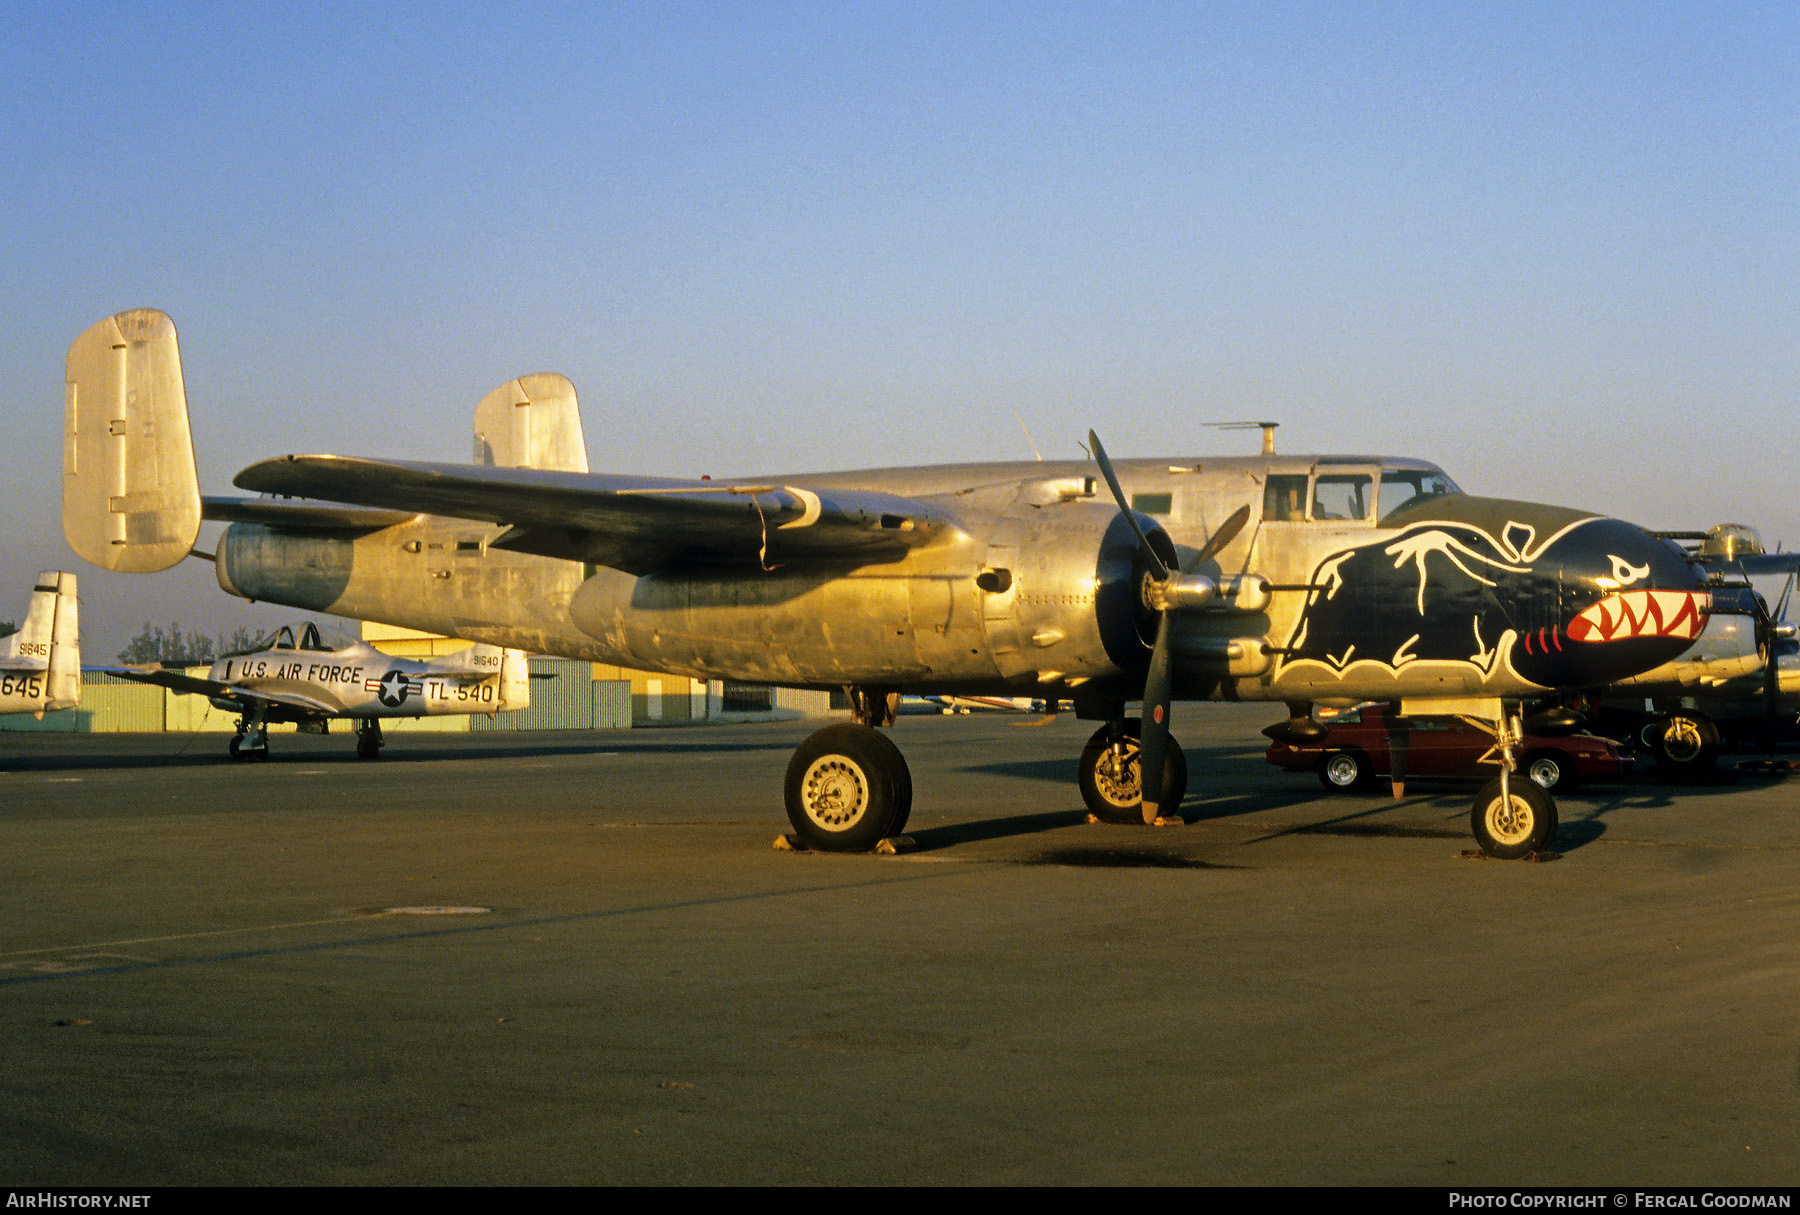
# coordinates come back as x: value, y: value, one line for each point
x: 1515, y: 821
x: 1514, y: 814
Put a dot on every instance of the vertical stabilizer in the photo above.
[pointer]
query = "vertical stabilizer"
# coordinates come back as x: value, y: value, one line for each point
x: 131, y: 500
x: 531, y: 422
x: 515, y: 681
x: 64, y: 688
x: 40, y: 665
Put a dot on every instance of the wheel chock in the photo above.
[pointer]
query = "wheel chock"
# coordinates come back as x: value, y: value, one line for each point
x: 894, y: 845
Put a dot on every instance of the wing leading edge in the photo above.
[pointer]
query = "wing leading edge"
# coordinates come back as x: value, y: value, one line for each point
x: 634, y: 524
x: 247, y: 697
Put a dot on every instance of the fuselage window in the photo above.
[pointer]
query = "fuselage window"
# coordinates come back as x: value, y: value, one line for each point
x: 1151, y: 504
x: 1284, y: 498
x: 1342, y: 496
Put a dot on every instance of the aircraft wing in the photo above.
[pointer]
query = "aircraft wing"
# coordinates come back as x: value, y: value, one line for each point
x: 635, y: 524
x: 196, y: 686
x: 1759, y: 563
x: 309, y: 515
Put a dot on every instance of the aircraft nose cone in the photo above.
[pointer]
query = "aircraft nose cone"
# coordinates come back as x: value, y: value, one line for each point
x: 1626, y: 602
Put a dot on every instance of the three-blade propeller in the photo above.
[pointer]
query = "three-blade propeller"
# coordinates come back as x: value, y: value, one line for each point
x: 1770, y: 632
x: 1158, y: 586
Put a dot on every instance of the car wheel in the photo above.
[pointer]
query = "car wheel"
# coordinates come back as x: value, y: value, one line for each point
x: 1346, y: 771
x: 1549, y: 770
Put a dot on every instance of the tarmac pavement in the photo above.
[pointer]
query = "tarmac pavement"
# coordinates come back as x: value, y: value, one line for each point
x: 574, y: 958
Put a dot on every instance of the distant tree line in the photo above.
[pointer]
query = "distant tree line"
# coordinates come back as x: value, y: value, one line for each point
x: 176, y: 648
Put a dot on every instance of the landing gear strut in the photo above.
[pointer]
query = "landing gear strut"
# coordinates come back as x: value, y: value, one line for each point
x: 368, y: 738
x: 251, y: 742
x: 1513, y: 816
x: 1110, y: 776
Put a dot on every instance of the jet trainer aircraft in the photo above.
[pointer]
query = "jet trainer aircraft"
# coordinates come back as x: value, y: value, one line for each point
x: 1302, y: 580
x: 40, y: 665
x: 299, y: 675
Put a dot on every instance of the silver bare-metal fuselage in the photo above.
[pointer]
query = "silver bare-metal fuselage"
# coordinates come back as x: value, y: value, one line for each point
x: 1035, y: 587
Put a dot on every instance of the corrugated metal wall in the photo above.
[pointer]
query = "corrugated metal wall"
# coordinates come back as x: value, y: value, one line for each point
x: 571, y: 700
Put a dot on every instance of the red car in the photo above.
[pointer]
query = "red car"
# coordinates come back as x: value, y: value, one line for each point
x: 1355, y: 752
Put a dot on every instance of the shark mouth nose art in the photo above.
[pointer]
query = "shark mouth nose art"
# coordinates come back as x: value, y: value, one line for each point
x: 1628, y: 614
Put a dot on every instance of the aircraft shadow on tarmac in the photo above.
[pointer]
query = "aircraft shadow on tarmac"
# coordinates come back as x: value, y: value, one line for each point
x: 1238, y: 789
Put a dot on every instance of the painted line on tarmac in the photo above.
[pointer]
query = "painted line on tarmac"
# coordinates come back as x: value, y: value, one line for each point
x: 190, y: 936
x: 460, y: 930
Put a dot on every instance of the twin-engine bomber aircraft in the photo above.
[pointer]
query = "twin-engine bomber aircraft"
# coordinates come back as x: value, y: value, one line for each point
x: 298, y: 675
x: 1304, y: 580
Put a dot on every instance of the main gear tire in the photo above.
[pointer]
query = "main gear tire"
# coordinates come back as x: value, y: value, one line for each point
x: 1684, y: 742
x: 847, y: 789
x: 1111, y: 785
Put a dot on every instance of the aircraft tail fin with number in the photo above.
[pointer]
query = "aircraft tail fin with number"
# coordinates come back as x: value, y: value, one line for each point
x: 40, y: 665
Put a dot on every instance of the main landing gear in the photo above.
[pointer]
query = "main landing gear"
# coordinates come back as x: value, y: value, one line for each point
x: 1684, y: 742
x: 1111, y: 778
x: 848, y: 787
x: 251, y: 742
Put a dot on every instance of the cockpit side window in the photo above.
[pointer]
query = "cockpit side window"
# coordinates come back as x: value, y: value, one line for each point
x: 284, y: 638
x: 1342, y: 496
x: 1284, y: 498
x: 1405, y: 486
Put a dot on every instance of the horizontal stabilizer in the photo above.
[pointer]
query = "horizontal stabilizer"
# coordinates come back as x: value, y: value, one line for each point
x: 131, y: 500
x: 633, y: 524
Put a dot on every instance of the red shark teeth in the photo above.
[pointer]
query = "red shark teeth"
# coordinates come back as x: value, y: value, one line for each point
x: 1643, y: 614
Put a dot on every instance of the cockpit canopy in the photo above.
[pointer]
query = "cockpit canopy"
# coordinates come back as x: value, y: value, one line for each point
x: 1360, y: 491
x: 303, y: 637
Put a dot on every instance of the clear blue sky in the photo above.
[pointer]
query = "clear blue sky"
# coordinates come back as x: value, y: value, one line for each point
x: 1554, y: 247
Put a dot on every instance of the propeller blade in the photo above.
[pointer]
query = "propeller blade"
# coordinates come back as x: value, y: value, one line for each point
x: 1157, y: 568
x: 1216, y: 543
x: 1765, y: 642
x: 1154, y: 731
